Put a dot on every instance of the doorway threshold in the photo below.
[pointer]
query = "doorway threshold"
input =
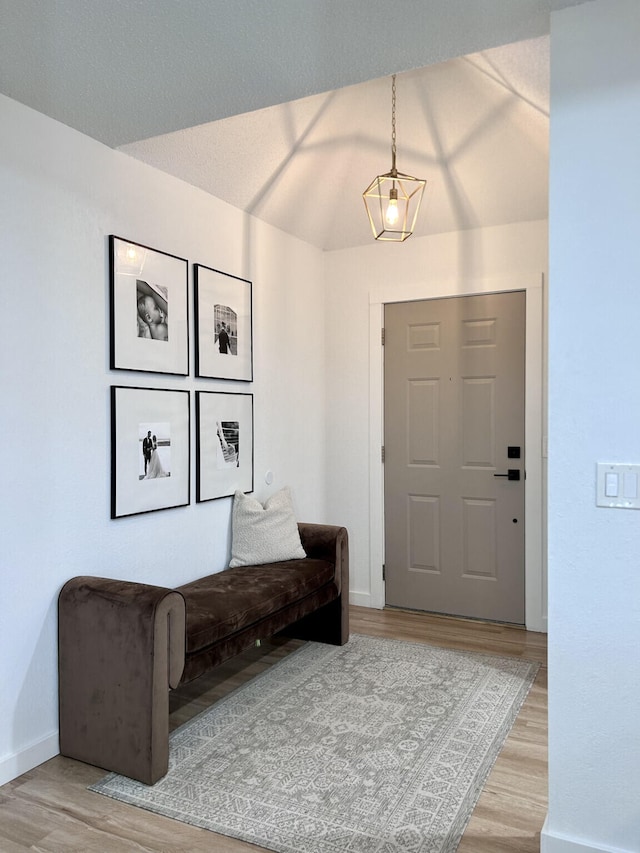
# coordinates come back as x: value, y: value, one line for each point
x: 456, y: 616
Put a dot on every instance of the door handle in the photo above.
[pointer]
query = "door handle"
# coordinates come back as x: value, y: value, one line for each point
x: 512, y: 474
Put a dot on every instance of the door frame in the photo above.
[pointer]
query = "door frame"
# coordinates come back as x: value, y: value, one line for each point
x: 535, y: 436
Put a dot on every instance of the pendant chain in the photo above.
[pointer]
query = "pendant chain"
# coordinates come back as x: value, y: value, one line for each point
x: 393, y: 119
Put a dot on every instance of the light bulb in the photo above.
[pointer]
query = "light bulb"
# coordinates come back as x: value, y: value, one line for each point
x: 391, y: 213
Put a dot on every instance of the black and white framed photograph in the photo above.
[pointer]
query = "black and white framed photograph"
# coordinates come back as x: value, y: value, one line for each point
x: 224, y: 325
x: 149, y: 309
x: 224, y: 444
x: 150, y: 450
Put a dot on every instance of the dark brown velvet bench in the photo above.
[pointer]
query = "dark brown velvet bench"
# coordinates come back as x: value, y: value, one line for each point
x: 123, y: 645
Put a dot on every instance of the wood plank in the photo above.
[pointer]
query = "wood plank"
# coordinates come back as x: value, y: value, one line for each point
x: 50, y: 810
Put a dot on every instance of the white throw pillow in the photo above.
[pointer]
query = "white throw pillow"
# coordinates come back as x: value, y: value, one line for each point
x: 264, y: 534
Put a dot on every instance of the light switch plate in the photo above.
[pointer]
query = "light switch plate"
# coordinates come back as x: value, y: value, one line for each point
x: 628, y: 485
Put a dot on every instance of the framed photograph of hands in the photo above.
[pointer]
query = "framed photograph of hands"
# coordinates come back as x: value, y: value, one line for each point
x: 224, y: 444
x: 149, y: 309
x: 224, y: 326
x: 150, y: 450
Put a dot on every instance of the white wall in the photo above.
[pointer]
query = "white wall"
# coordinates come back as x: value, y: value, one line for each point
x: 594, y: 415
x: 359, y: 282
x: 61, y: 195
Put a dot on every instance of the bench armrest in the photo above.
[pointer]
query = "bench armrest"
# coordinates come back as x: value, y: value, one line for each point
x: 121, y: 646
x: 328, y: 542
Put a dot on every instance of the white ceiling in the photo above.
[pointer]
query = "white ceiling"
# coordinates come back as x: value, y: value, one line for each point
x: 476, y: 128
x: 283, y: 107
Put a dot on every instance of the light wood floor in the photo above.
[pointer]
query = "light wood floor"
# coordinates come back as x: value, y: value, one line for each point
x: 49, y: 810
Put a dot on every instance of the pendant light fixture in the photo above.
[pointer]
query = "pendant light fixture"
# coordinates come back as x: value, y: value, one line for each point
x: 393, y: 200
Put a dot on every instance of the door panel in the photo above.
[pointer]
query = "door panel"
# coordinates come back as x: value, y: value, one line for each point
x: 454, y: 403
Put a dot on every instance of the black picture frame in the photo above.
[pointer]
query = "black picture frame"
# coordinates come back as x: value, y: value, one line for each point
x: 149, y: 479
x: 149, y: 309
x: 224, y: 444
x: 223, y: 310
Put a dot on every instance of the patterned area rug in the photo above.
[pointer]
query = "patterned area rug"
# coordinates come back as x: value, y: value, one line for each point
x: 379, y: 746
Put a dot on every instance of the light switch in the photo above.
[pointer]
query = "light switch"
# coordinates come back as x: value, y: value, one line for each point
x: 617, y: 485
x: 630, y: 487
x: 611, y: 485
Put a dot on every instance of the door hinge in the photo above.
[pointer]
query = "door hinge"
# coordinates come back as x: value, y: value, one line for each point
x: 384, y: 572
x: 382, y: 336
x: 382, y: 454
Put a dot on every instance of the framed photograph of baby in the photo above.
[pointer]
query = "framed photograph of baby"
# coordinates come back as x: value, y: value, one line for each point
x: 149, y: 309
x: 224, y: 444
x: 224, y: 325
x: 150, y: 450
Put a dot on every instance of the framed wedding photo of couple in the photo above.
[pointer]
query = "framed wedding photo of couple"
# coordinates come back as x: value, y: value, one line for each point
x: 224, y: 444
x: 150, y: 450
x: 149, y: 309
x: 223, y: 324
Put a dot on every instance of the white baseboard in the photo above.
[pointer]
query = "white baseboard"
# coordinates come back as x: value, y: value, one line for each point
x: 361, y: 599
x: 539, y: 626
x: 18, y: 763
x: 551, y: 842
